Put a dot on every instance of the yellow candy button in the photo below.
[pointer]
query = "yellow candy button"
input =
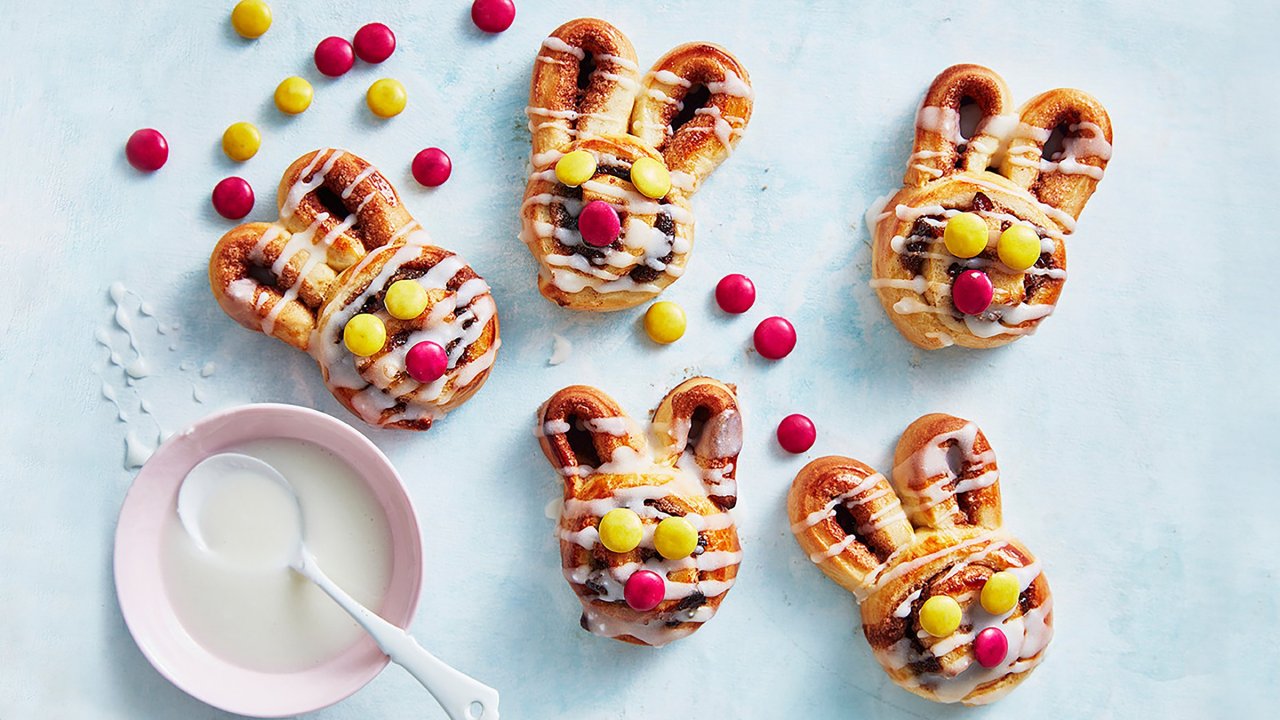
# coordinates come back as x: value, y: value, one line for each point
x: 1018, y: 247
x: 650, y: 177
x: 620, y: 530
x: 675, y: 538
x: 386, y: 98
x: 1000, y: 593
x: 293, y: 95
x: 665, y: 322
x: 364, y: 334
x: 405, y: 299
x: 241, y: 141
x: 966, y: 235
x: 940, y: 615
x: 251, y: 18
x: 576, y: 168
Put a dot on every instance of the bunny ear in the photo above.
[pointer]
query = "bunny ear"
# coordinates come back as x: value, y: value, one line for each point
x: 945, y: 472
x: 584, y: 85
x: 846, y: 516
x: 698, y: 426
x: 1064, y: 181
x: 693, y: 107
x: 580, y: 430
x: 940, y: 148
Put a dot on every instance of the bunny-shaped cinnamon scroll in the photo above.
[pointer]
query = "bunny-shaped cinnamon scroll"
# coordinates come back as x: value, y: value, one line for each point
x: 686, y: 114
x: 318, y: 279
x: 967, y: 256
x: 954, y: 608
x: 646, y: 538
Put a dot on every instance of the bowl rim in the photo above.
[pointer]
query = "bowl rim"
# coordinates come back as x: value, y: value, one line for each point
x: 145, y: 602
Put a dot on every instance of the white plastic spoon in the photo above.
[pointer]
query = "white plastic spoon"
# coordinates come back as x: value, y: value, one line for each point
x: 462, y: 697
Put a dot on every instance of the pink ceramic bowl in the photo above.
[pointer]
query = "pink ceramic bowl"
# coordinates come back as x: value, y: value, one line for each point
x: 145, y: 602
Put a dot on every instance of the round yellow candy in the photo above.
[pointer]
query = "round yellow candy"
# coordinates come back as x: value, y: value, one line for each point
x: 675, y: 538
x: 364, y: 334
x: 576, y: 168
x: 405, y: 299
x: 1018, y: 247
x: 386, y: 98
x: 241, y: 141
x: 620, y: 530
x: 665, y: 322
x: 251, y: 18
x: 1000, y: 593
x: 940, y: 615
x: 966, y: 235
x: 293, y: 95
x: 650, y: 177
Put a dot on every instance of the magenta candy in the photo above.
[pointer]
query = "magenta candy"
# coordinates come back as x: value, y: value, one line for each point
x: 334, y: 56
x: 432, y: 167
x: 775, y: 338
x: 374, y: 43
x: 426, y: 361
x: 645, y: 589
x: 493, y: 16
x: 233, y: 198
x: 598, y: 222
x: 796, y: 433
x: 990, y: 647
x: 147, y: 150
x: 971, y: 292
x: 735, y: 293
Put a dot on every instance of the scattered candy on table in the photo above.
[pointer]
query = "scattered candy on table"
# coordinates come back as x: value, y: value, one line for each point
x: 374, y: 43
x: 665, y: 322
x: 426, y: 361
x: 735, y: 293
x: 493, y: 16
x: 796, y: 433
x: 364, y: 334
x: 405, y: 299
x: 651, y: 178
x: 598, y: 222
x: 251, y: 18
x: 971, y: 292
x: 940, y: 615
x: 293, y: 95
x: 147, y: 150
x: 233, y: 198
x: 774, y: 338
x: 620, y: 530
x: 1018, y: 247
x: 240, y: 141
x: 965, y: 235
x: 645, y: 590
x: 990, y: 647
x: 576, y: 168
x: 334, y: 56
x: 431, y: 167
x: 1000, y: 593
x: 675, y: 538
x: 386, y: 97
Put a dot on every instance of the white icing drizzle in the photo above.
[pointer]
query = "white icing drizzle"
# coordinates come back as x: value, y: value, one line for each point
x: 932, y: 462
x: 732, y: 85
x: 558, y: 45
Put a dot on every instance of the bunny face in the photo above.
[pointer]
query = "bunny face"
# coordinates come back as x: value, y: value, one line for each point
x: 935, y: 532
x: 343, y: 238
x: 680, y: 474
x: 688, y: 112
x: 1007, y: 175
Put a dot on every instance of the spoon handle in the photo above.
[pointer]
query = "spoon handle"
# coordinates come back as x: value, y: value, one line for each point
x: 461, y: 696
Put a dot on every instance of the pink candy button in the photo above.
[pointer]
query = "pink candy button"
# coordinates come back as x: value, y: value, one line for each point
x: 426, y: 361
x: 990, y: 647
x: 735, y: 293
x: 334, y: 56
x: 971, y: 292
x: 775, y: 338
x: 233, y: 198
x: 493, y: 16
x: 796, y: 433
x: 432, y: 167
x: 598, y: 222
x: 374, y: 43
x: 645, y: 589
x: 147, y: 150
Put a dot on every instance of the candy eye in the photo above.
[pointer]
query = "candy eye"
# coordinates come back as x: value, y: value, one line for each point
x: 620, y: 530
x: 675, y: 538
x: 364, y: 334
x: 1000, y: 593
x: 650, y: 177
x: 940, y: 615
x: 1018, y: 247
x: 576, y: 168
x: 965, y: 235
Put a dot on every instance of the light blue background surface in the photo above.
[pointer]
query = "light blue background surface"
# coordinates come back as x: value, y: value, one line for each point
x: 1133, y: 431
